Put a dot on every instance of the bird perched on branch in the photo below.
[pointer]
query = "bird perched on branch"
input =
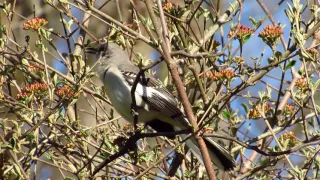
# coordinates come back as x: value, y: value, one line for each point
x: 156, y: 105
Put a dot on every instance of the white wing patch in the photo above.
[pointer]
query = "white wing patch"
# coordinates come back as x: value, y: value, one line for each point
x: 148, y: 92
x: 155, y: 97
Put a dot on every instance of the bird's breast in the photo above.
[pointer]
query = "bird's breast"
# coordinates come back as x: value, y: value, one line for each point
x: 118, y: 91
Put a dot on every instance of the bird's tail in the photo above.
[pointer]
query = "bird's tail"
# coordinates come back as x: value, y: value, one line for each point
x: 219, y: 155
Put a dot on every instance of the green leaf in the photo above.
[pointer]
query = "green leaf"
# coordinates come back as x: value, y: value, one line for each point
x: 69, y: 178
x: 166, y: 81
x: 41, y: 46
x: 54, y: 78
x: 12, y: 142
x: 149, y: 155
x: 2, y: 29
x: 6, y: 146
x: 245, y: 107
x: 17, y: 169
x: 233, y: 130
x: 290, y: 64
x: 316, y: 84
x: 185, y: 15
x: 246, y: 38
x: 84, y: 133
x: 45, y: 34
x: 2, y: 42
x: 72, y: 167
x: 301, y: 72
x: 147, y: 158
x: 226, y: 114
x: 311, y: 83
x: 262, y: 162
x: 278, y: 55
x: 310, y: 124
x: 25, y: 62
x: 48, y: 156
x: 187, y: 173
x: 289, y: 15
x: 206, y: 14
x: 30, y: 137
x: 255, y: 23
x: 318, y: 108
x: 199, y: 112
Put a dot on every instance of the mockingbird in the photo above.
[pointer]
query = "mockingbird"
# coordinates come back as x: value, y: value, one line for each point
x: 156, y: 105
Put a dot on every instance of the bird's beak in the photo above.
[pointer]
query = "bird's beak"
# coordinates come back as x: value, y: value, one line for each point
x: 97, y: 50
x: 91, y: 50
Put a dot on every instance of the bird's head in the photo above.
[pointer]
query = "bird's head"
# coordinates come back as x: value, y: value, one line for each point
x: 107, y: 54
x: 106, y: 50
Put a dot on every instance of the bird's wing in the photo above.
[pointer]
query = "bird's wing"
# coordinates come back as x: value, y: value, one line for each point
x: 156, y: 95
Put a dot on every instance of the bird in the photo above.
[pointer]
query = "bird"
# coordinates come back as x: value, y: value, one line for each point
x: 157, y: 107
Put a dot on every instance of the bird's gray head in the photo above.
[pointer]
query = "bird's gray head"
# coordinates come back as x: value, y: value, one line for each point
x: 108, y: 54
x: 108, y: 50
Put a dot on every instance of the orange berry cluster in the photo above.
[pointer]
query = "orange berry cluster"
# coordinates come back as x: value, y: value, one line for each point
x: 65, y: 91
x: 207, y: 130
x: 132, y: 26
x: 35, y: 88
x: 127, y: 126
x: 243, y: 32
x: 22, y: 96
x: 288, y: 110
x: 35, y: 69
x: 238, y: 60
x: 224, y: 74
x: 255, y: 112
x: 168, y: 7
x: 271, y: 32
x: 289, y: 136
x: 271, y: 35
x: 301, y: 84
x: 38, y: 89
x: 34, y: 23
